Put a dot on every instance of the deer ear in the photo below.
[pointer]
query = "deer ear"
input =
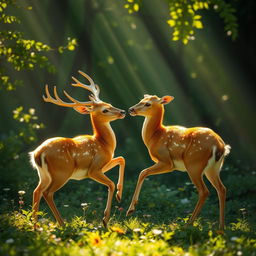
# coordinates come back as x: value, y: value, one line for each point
x: 166, y: 99
x: 83, y: 110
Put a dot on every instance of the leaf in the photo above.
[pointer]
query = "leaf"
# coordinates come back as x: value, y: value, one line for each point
x: 171, y: 22
x: 176, y: 32
x: 60, y: 49
x: 185, y: 41
x: 136, y: 7
x: 71, y: 47
x: 197, y: 24
x: 197, y: 17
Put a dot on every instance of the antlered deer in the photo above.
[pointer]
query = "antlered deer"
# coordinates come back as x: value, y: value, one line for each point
x: 196, y: 150
x: 58, y: 160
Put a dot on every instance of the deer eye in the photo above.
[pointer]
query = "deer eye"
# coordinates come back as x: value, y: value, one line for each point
x: 147, y: 104
x: 105, y: 111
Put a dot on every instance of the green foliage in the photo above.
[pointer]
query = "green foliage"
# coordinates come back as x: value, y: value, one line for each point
x: 18, y: 52
x: 133, y: 5
x: 227, y: 13
x: 186, y: 16
x: 25, y: 134
x: 127, y: 237
x: 158, y: 227
x: 13, y: 144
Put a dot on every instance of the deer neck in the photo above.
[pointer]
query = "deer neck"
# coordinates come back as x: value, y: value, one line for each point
x: 104, y: 133
x: 153, y: 125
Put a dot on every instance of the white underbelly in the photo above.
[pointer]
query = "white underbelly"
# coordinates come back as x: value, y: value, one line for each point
x: 179, y: 166
x: 79, y: 174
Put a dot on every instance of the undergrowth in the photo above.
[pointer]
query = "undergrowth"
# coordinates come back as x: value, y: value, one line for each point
x: 158, y: 227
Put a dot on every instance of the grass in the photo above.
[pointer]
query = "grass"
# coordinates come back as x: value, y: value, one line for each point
x: 158, y: 227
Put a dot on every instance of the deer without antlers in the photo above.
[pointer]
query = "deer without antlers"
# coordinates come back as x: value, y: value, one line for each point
x: 196, y: 150
x: 58, y: 160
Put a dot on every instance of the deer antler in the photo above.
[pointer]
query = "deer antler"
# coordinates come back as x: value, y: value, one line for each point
x: 92, y: 87
x: 60, y: 102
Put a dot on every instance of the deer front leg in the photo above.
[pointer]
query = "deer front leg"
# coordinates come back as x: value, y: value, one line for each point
x: 100, y: 177
x: 114, y: 162
x: 157, y: 168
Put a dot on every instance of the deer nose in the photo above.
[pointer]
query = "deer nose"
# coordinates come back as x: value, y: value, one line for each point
x: 122, y: 112
x: 131, y: 110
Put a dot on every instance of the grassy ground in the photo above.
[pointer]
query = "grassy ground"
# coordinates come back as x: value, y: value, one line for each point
x: 158, y: 227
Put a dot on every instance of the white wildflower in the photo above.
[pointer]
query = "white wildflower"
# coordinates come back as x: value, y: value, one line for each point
x: 184, y: 201
x: 9, y: 241
x: 22, y: 192
x: 157, y: 231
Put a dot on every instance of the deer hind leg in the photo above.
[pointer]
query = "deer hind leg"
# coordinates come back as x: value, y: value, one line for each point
x: 44, y: 182
x: 213, y: 175
x: 157, y: 168
x: 203, y: 193
x: 195, y: 172
x: 48, y: 194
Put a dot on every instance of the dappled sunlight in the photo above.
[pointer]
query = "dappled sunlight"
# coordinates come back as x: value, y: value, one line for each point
x: 197, y: 55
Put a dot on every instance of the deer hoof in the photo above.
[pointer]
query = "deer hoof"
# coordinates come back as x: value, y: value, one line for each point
x: 105, y: 223
x: 129, y: 212
x: 220, y: 232
x: 118, y: 197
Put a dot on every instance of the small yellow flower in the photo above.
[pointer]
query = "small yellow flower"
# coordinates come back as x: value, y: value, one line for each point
x: 118, y: 230
x: 95, y: 239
